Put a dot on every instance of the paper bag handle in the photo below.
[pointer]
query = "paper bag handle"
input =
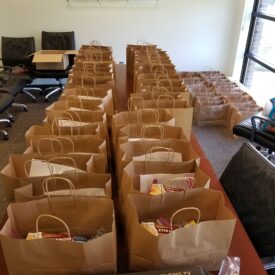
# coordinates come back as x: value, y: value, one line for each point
x: 158, y: 89
x: 95, y: 42
x: 87, y: 67
x: 159, y: 149
x: 141, y: 41
x: 45, y: 186
x: 185, y: 209
x: 85, y: 76
x: 150, y: 126
x: 160, y: 71
x: 53, y: 217
x: 84, y: 89
x: 153, y: 83
x: 166, y: 96
x: 51, y: 140
x: 76, y: 114
x: 55, y: 122
x: 132, y: 99
x: 66, y: 158
x: 153, y: 66
x: 170, y: 84
x: 153, y: 111
x: 40, y: 160
x: 68, y: 139
x: 57, y: 140
x: 68, y: 103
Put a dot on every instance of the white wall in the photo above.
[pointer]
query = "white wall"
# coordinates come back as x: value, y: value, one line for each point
x: 198, y: 34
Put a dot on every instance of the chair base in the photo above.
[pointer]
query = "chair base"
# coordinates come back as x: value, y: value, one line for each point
x: 7, y: 121
x: 53, y: 92
x: 27, y: 91
x: 5, y: 134
x: 10, y: 116
x: 20, y: 105
x: 267, y: 153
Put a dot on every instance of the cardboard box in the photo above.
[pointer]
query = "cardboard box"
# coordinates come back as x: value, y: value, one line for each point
x: 52, y: 59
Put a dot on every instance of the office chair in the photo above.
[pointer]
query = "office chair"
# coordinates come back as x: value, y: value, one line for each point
x: 16, y: 54
x: 56, y: 41
x: 251, y: 129
x: 249, y: 181
x: 6, y: 101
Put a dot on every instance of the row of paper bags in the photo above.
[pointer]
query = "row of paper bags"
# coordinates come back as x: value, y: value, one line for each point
x: 146, y: 143
x: 61, y: 183
x: 156, y: 85
x: 217, y: 99
x: 150, y: 147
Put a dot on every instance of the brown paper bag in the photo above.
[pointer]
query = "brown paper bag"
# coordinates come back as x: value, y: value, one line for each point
x: 205, y: 243
x: 211, y: 114
x: 131, y: 174
x: 92, y: 66
x: 79, y: 78
x: 19, y: 167
x: 143, y: 116
x: 82, y: 216
x: 181, y: 95
x: 72, y: 144
x: 182, y: 113
x: 51, y: 131
x: 76, y: 115
x: 92, y: 94
x: 128, y: 150
x: 75, y: 103
x: 77, y: 120
x: 32, y: 187
x: 134, y: 132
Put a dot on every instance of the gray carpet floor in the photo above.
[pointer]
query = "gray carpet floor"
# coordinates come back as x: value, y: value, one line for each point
x: 218, y: 144
x: 16, y: 143
x: 216, y: 141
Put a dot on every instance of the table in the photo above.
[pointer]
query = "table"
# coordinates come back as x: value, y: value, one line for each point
x: 241, y: 245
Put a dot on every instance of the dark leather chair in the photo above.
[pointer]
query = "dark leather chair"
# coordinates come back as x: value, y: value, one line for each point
x: 56, y: 41
x: 249, y: 181
x: 251, y: 129
x: 16, y: 54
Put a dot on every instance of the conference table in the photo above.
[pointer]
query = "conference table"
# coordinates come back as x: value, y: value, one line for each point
x: 241, y: 245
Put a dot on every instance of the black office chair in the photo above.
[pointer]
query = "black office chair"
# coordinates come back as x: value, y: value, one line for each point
x: 251, y: 129
x: 249, y: 181
x: 56, y: 41
x: 16, y: 54
x: 6, y: 101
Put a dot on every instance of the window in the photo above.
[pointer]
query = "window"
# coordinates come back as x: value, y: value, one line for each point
x: 258, y: 71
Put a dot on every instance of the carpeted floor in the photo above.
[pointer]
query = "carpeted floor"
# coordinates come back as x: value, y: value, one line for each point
x: 218, y: 144
x: 216, y: 141
x: 16, y: 143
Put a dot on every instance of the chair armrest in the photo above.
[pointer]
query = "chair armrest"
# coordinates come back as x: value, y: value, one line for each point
x: 5, y: 74
x: 268, y: 262
x: 7, y: 68
x: 254, y: 125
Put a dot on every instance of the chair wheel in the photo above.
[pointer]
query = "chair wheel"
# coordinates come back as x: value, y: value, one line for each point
x: 34, y: 100
x: 46, y: 99
x: 5, y: 137
x: 26, y: 109
x: 11, y: 119
x: 9, y: 124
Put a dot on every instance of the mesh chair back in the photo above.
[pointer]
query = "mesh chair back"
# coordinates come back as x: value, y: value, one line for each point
x: 58, y: 40
x: 17, y: 50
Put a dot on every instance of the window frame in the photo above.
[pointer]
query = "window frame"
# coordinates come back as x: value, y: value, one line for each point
x: 248, y: 55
